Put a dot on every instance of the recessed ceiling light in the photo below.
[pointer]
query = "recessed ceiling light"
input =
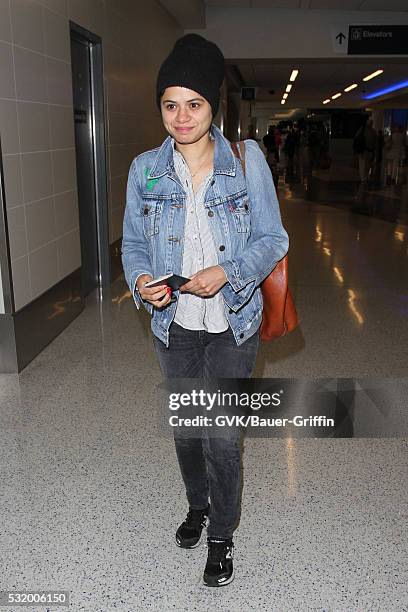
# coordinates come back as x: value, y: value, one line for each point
x: 285, y: 95
x: 350, y: 87
x: 283, y: 101
x: 337, y: 95
x: 374, y: 74
x: 288, y: 88
x: 294, y: 75
x: 326, y: 101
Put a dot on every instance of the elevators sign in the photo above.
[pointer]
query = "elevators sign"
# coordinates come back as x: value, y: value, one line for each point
x: 378, y: 40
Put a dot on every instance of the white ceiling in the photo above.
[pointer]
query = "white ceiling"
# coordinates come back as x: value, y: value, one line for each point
x: 340, y: 5
x: 320, y: 80
x: 190, y: 14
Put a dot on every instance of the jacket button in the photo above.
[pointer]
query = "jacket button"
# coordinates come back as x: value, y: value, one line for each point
x: 145, y: 211
x: 241, y: 335
x: 210, y: 213
x: 230, y: 311
x: 222, y: 248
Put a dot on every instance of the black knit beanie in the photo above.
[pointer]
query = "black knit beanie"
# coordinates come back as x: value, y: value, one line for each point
x: 195, y: 63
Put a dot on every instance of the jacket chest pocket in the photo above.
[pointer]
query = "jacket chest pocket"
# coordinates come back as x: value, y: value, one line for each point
x: 240, y: 211
x: 151, y: 213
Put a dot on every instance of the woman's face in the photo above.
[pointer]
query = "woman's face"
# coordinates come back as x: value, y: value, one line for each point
x: 186, y: 114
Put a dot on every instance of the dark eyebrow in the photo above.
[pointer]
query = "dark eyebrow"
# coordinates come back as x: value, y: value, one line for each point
x: 173, y: 102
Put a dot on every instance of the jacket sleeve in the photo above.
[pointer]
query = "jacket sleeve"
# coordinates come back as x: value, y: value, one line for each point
x: 269, y: 241
x: 135, y: 248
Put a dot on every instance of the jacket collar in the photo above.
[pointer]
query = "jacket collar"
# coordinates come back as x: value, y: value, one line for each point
x: 224, y: 158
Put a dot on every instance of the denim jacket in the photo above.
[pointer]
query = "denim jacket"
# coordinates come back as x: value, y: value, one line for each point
x: 244, y: 218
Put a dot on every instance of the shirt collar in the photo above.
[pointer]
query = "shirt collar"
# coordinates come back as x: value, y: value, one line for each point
x: 173, y: 142
x: 224, y: 158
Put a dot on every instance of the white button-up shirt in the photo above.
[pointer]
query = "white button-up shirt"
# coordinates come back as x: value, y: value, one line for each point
x: 195, y: 312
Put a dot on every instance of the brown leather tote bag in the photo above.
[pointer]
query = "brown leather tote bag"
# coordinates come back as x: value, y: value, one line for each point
x: 279, y: 314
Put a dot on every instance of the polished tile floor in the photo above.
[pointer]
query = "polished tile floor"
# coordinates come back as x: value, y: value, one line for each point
x: 91, y: 493
x: 340, y: 187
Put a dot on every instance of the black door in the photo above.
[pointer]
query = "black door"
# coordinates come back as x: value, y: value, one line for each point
x: 85, y: 161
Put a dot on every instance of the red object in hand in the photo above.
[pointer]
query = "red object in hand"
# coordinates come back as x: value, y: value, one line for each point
x: 168, y: 290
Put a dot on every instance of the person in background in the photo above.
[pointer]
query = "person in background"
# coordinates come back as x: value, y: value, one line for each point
x: 378, y: 157
x: 282, y: 155
x: 251, y: 132
x: 269, y: 141
x: 278, y: 143
x: 325, y: 159
x: 272, y: 153
x: 365, y: 145
x: 290, y: 149
x: 303, y: 151
x: 314, y: 146
x: 395, y: 150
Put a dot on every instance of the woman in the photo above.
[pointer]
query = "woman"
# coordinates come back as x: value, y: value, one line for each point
x: 191, y: 211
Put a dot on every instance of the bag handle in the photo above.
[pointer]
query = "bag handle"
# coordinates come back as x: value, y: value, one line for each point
x: 238, y: 149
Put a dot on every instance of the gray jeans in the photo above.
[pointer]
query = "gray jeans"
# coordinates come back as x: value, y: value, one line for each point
x: 210, y: 466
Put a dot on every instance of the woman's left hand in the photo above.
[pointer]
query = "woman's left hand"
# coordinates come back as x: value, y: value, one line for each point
x: 206, y: 283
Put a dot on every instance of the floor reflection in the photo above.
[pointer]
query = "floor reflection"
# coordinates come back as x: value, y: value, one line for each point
x: 340, y: 187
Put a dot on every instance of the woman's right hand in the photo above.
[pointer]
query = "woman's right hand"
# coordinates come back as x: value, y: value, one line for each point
x: 158, y: 296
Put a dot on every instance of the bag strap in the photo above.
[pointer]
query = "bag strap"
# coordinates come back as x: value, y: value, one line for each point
x: 238, y: 149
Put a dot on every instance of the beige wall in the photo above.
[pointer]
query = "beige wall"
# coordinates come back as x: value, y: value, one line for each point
x: 37, y: 129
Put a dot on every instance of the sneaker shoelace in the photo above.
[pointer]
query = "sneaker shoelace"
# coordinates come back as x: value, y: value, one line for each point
x: 194, y: 518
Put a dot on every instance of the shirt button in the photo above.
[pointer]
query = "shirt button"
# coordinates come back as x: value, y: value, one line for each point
x: 246, y: 206
x: 241, y: 335
x: 145, y: 211
x: 222, y: 247
x: 230, y: 311
x: 212, y: 182
x: 210, y: 213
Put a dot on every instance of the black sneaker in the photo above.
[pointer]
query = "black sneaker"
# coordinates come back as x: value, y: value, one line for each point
x: 219, y: 569
x: 189, y: 533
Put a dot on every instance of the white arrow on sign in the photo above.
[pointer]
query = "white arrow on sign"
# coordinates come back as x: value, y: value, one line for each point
x: 339, y: 36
